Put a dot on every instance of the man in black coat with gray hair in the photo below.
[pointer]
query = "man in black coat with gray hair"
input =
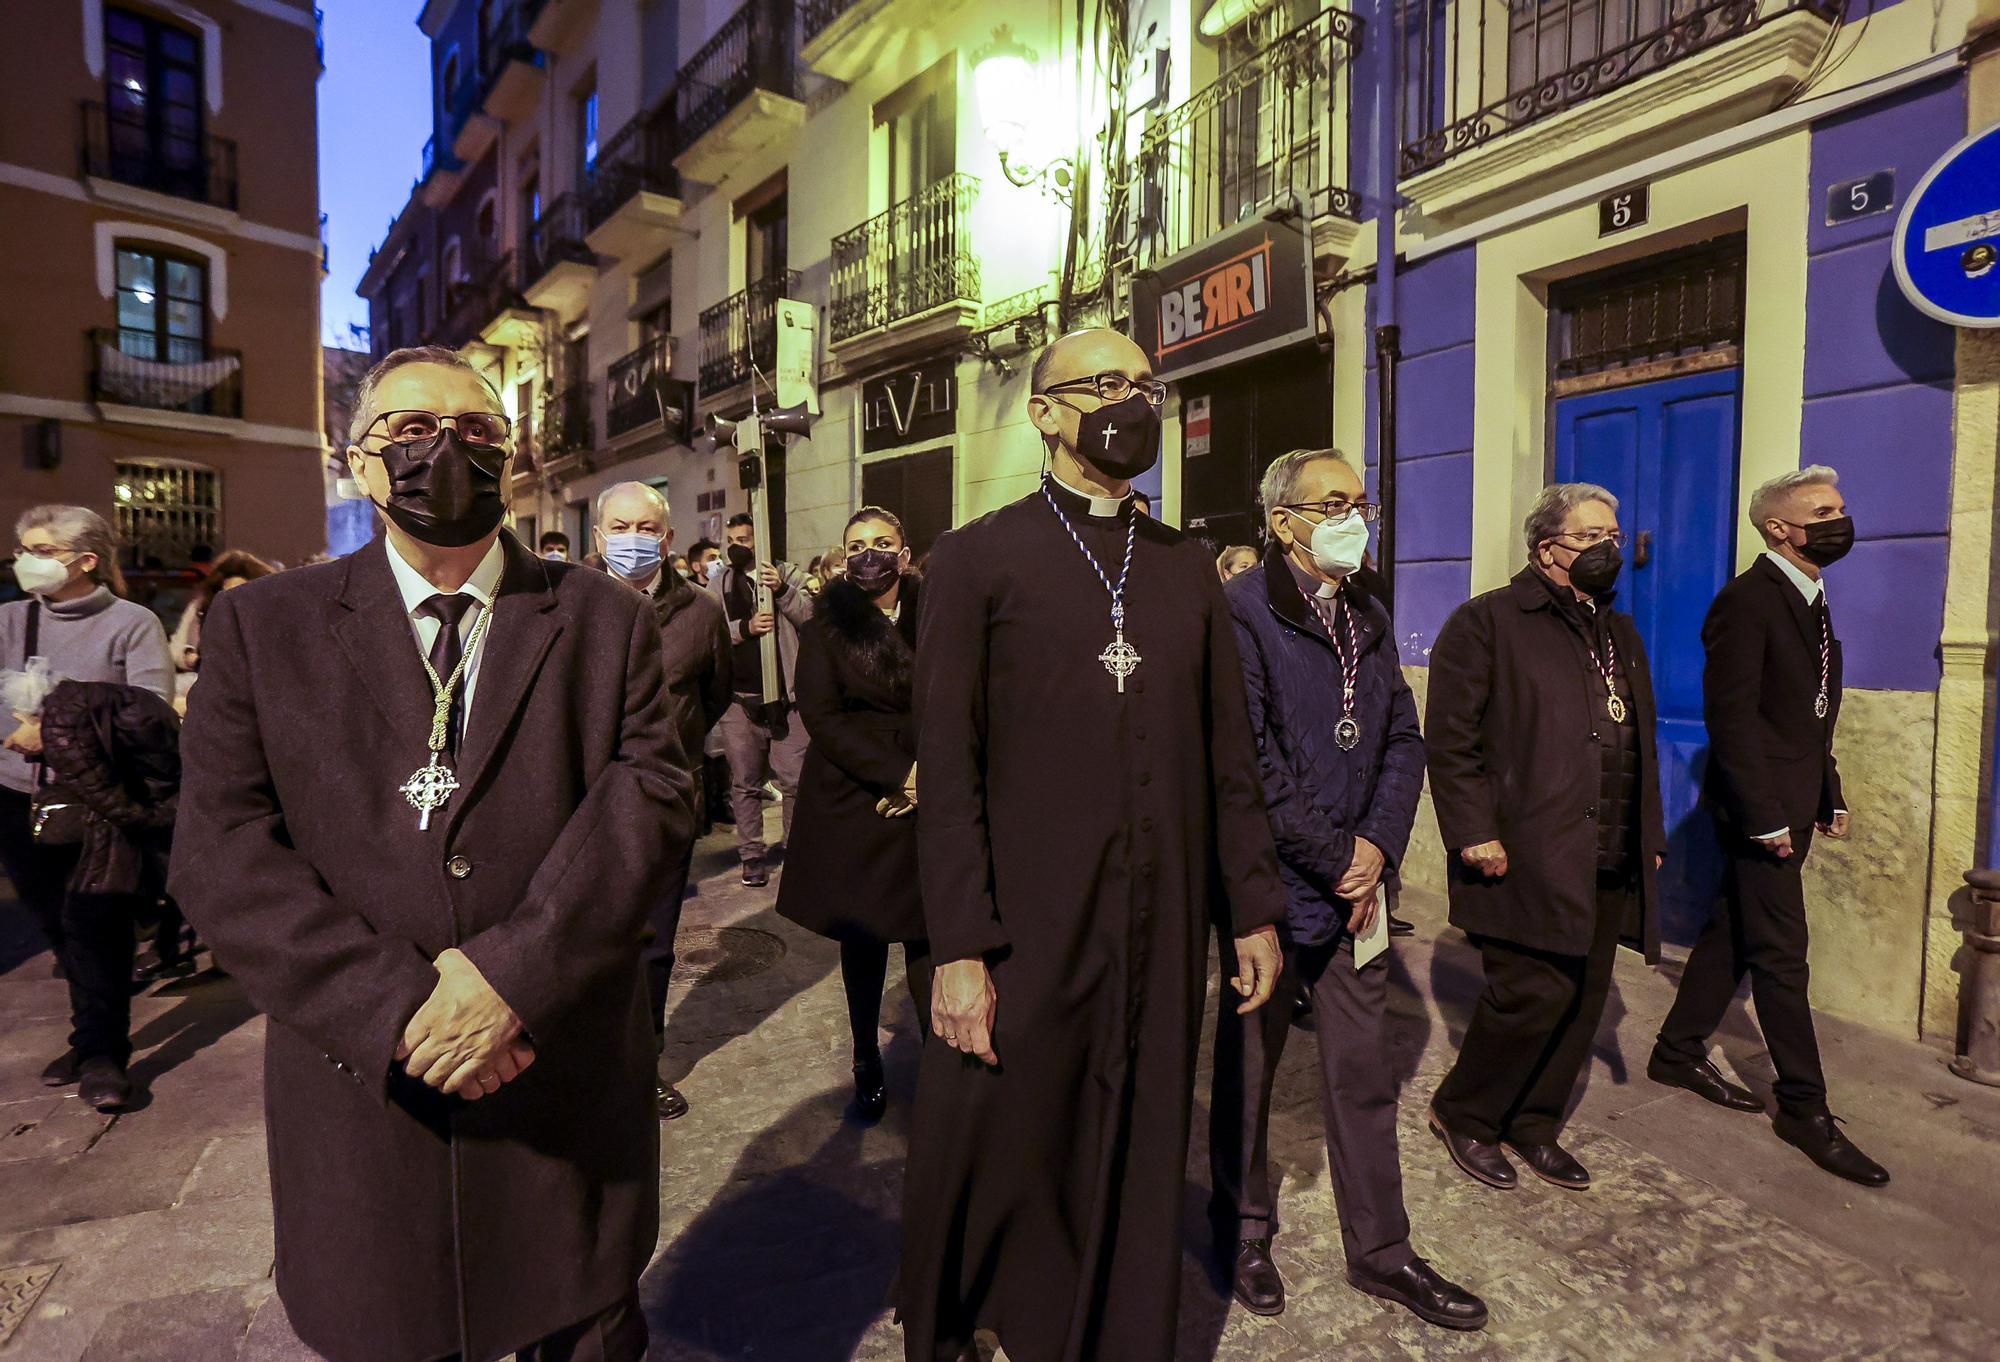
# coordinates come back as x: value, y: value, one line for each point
x: 1771, y: 696
x: 1545, y: 780
x: 430, y: 792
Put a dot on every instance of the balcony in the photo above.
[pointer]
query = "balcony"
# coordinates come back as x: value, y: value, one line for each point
x: 487, y: 307
x: 907, y: 280
x: 511, y: 75
x: 561, y: 267
x: 634, y: 192
x: 1272, y: 130
x: 740, y: 331
x: 566, y: 422
x: 633, y: 389
x: 139, y: 369
x: 116, y: 151
x: 1554, y: 91
x: 846, y: 39
x: 738, y: 94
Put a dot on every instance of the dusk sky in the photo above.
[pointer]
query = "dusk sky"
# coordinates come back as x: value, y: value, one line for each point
x: 374, y: 116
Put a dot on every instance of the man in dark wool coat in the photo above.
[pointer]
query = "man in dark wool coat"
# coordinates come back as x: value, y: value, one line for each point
x: 1087, y: 778
x: 430, y: 792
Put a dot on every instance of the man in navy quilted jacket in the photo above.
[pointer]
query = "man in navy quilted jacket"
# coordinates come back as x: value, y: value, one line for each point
x: 1342, y: 760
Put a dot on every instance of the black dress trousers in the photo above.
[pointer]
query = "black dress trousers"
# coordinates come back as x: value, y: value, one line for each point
x: 1357, y: 1099
x: 1531, y: 1030
x: 1761, y: 931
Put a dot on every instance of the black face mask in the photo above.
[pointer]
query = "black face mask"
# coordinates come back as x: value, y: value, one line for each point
x: 1120, y: 439
x: 443, y: 490
x: 1827, y: 541
x: 741, y: 557
x: 1595, y: 570
x: 874, y: 571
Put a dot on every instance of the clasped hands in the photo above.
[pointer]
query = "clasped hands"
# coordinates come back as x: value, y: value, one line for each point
x: 904, y: 802
x: 464, y: 1041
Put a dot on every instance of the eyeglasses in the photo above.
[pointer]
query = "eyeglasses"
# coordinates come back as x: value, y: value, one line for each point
x: 41, y: 551
x: 474, y: 427
x: 1114, y: 387
x: 1592, y: 538
x: 1338, y: 508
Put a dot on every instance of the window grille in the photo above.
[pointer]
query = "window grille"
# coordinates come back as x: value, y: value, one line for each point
x: 1686, y: 303
x: 162, y: 510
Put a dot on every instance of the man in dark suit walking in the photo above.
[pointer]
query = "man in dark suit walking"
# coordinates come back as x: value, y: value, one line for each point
x: 1546, y: 784
x: 1771, y: 696
x: 430, y: 792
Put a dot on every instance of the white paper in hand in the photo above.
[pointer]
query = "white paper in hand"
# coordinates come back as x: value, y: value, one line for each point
x: 1376, y: 939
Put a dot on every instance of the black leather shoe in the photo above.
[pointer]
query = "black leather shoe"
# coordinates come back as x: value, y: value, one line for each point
x: 1702, y: 1079
x: 61, y: 1071
x: 1552, y: 1164
x: 673, y: 1106
x: 1480, y: 1159
x: 1426, y: 1293
x: 1398, y: 927
x: 1820, y: 1139
x: 1254, y: 1278
x: 871, y: 1093
x: 103, y: 1084
x: 755, y: 874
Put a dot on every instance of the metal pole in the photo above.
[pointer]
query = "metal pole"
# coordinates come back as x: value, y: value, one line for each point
x: 1383, y: 296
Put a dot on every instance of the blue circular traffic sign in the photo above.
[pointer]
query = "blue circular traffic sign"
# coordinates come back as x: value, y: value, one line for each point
x: 1947, y: 251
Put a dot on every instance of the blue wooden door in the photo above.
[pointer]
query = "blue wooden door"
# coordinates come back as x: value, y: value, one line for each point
x: 1667, y: 451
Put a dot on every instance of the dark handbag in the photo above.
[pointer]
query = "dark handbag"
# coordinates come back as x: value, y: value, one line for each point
x: 56, y: 817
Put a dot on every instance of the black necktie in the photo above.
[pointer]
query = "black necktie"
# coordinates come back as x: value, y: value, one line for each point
x: 446, y: 650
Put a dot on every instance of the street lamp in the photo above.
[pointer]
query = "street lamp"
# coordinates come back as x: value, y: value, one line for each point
x: 1003, y: 74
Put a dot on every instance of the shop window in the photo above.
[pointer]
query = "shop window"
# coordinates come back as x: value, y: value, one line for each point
x: 917, y: 488
x: 163, y: 509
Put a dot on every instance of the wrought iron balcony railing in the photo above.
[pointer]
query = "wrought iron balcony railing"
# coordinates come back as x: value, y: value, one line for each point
x: 631, y: 388
x: 815, y: 16
x: 1271, y: 129
x: 741, y: 330
x: 753, y: 51
x: 488, y: 289
x: 557, y: 236
x: 566, y: 421
x: 506, y: 39
x: 915, y: 257
x: 1475, y: 71
x: 640, y: 159
x: 167, y: 373
x: 131, y: 151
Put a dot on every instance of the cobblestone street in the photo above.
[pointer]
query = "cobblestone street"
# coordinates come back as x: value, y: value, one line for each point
x: 148, y: 1236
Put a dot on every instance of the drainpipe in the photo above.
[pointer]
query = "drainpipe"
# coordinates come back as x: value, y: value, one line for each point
x: 1388, y: 336
x: 1978, y: 1056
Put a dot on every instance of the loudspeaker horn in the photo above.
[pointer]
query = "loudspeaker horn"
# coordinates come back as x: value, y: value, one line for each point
x: 792, y: 420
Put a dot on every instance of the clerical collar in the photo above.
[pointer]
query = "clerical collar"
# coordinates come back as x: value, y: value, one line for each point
x: 1310, y: 585
x: 1812, y: 588
x: 1101, y: 507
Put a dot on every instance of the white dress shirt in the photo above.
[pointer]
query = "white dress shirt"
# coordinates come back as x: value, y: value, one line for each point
x: 1101, y: 507
x: 1812, y: 588
x: 481, y: 586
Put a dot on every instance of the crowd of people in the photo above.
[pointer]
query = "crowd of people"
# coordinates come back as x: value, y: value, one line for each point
x: 456, y: 892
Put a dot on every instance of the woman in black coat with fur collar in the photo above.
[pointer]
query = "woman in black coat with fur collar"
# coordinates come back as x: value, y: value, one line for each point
x: 851, y: 866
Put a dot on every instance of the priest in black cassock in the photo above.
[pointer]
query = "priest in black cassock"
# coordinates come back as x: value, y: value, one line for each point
x: 1087, y: 778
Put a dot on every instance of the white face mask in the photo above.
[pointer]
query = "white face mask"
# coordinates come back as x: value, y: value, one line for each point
x: 43, y: 576
x: 1337, y: 546
x: 714, y: 569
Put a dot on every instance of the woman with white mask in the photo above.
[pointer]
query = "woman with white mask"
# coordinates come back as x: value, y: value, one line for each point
x: 75, y: 617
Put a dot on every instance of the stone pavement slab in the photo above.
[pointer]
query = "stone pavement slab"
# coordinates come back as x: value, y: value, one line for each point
x: 1704, y: 1239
